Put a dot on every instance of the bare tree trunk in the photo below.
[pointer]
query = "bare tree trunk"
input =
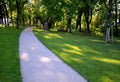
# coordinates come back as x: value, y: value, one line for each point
x: 119, y: 17
x: 7, y: 17
x: 69, y: 25
x: 108, y: 19
x: 88, y: 17
x: 116, y: 26
x: 17, y: 19
x: 78, y: 22
x: 108, y: 35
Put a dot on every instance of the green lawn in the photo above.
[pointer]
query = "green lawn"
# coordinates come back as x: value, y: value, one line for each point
x: 9, y: 56
x: 87, y: 54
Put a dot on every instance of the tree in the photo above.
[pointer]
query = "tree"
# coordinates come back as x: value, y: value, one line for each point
x: 19, y: 6
x: 88, y: 12
x: 78, y: 22
x: 4, y: 12
x: 109, y: 7
x: 11, y: 5
x: 116, y: 17
x: 53, y: 11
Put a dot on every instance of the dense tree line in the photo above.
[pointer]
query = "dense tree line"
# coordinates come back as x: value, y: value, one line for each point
x: 82, y: 15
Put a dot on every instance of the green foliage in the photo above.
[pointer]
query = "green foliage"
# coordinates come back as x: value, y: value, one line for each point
x: 86, y: 54
x: 53, y: 10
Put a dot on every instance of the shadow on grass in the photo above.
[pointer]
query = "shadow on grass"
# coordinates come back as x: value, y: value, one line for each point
x: 88, y: 55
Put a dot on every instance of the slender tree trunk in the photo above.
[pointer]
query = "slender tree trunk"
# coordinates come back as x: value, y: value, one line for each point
x: 108, y: 19
x: 88, y: 17
x: 78, y: 22
x: 69, y: 25
x: 17, y: 19
x: 119, y: 17
x: 11, y: 17
x: 30, y: 21
x: 4, y: 21
x: 1, y: 15
x: 7, y: 17
x: 87, y: 10
x: 108, y: 35
x: 116, y: 26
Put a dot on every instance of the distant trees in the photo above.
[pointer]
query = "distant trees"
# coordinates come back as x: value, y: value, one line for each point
x: 8, y: 6
x: 19, y: 6
x: 3, y: 12
x: 82, y: 15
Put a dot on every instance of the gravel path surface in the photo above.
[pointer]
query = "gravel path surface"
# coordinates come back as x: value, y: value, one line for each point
x: 39, y: 64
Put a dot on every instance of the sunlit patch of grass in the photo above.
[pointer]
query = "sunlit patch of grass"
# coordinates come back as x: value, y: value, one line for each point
x: 97, y: 40
x: 105, y: 79
x: 1, y: 26
x: 117, y: 40
x: 9, y: 55
x: 72, y: 47
x: 108, y: 60
x: 49, y: 36
x: 87, y: 54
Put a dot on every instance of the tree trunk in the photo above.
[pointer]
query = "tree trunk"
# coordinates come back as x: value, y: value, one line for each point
x: 88, y: 17
x: 78, y: 22
x: 119, y: 17
x: 108, y: 35
x: 116, y: 26
x: 11, y: 17
x: 7, y: 17
x: 17, y: 19
x: 69, y: 25
x: 30, y: 21
x: 108, y: 19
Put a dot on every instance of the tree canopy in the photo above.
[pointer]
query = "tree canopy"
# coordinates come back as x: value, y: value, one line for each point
x: 82, y: 15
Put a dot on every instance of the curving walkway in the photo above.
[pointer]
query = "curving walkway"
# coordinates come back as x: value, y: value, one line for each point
x: 39, y: 64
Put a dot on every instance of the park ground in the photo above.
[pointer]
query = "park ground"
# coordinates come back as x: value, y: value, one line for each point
x: 87, y: 54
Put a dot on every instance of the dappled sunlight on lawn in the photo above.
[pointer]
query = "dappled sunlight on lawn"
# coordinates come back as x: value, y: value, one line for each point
x: 88, y: 50
x: 108, y: 60
x: 73, y: 51
x: 72, y: 47
x: 105, y: 79
x: 49, y: 36
x: 94, y: 40
x: 77, y: 60
x: 118, y: 40
x: 88, y: 55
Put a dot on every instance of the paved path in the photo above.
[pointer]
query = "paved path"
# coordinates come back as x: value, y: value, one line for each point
x: 39, y: 64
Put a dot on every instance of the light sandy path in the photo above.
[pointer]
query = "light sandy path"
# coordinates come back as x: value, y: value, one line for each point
x: 39, y: 64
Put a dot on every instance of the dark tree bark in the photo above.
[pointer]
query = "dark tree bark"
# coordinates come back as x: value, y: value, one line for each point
x: 4, y: 13
x: 69, y: 25
x: 1, y: 15
x: 18, y: 13
x: 78, y: 22
x: 30, y: 21
x: 88, y: 17
x: 19, y: 5
x: 119, y: 17
x: 116, y: 25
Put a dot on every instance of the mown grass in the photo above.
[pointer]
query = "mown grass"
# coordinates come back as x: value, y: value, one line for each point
x: 87, y: 54
x: 9, y: 56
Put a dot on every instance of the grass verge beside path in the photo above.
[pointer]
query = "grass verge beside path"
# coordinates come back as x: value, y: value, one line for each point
x: 87, y: 54
x: 9, y: 56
